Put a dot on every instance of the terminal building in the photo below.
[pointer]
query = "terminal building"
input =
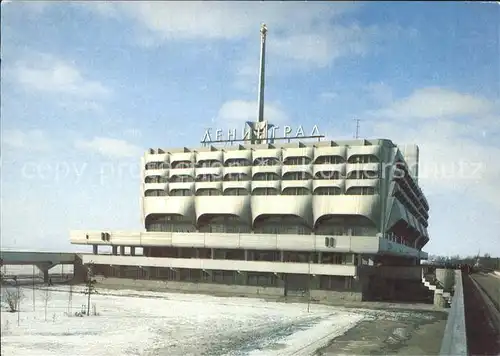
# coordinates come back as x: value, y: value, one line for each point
x: 294, y: 216
x: 272, y: 215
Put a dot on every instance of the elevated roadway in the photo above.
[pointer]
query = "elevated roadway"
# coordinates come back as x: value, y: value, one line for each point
x: 43, y: 260
x: 482, y: 313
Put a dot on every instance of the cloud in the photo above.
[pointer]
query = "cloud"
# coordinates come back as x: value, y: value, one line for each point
x: 177, y: 20
x: 110, y: 147
x: 437, y: 103
x: 31, y: 140
x: 239, y: 111
x: 46, y: 73
x: 300, y: 31
x: 454, y: 155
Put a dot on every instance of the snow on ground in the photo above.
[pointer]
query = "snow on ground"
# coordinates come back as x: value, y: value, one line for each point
x: 154, y: 323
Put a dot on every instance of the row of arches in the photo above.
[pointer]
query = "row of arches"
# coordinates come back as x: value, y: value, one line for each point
x: 263, y: 176
x: 338, y: 225
x: 262, y: 191
x: 263, y: 161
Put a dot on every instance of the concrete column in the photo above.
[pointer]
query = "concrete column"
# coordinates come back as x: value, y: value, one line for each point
x: 122, y: 250
x: 320, y: 257
x: 95, y: 249
x: 114, y: 250
x: 197, y: 252
x: 446, y: 277
x: 282, y: 256
x: 439, y: 300
x: 45, y: 275
x: 132, y: 251
x: 314, y: 282
x: 241, y: 278
x: 246, y: 255
x: 213, y: 253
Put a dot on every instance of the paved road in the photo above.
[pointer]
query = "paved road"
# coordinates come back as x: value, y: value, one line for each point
x: 491, y: 285
x: 483, y: 337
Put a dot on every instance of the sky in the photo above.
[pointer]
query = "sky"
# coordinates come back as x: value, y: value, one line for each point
x: 87, y: 87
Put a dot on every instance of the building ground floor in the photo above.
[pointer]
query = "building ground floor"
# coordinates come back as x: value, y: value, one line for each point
x: 367, y: 285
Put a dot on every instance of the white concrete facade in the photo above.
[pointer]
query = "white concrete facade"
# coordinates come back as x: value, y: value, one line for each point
x: 357, y: 198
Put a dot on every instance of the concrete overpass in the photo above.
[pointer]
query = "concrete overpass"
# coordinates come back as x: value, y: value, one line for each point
x: 475, y: 298
x: 43, y: 260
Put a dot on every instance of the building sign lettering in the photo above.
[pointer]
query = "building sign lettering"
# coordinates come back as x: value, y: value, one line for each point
x: 259, y: 131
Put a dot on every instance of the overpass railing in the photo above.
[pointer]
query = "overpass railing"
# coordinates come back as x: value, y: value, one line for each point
x: 455, y: 337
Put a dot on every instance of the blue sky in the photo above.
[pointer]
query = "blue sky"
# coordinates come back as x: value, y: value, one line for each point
x: 88, y: 86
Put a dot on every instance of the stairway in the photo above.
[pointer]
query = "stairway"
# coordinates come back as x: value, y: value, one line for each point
x: 429, y: 280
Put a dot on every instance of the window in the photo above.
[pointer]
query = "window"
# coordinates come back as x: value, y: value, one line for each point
x: 209, y: 163
x: 294, y: 161
x: 208, y: 192
x: 156, y: 165
x: 155, y: 193
x: 238, y: 162
x: 269, y: 176
x: 235, y: 191
x: 208, y: 178
x: 270, y: 161
x: 156, y: 179
x: 296, y: 176
x: 181, y: 193
x: 361, y: 191
x: 295, y: 191
x: 265, y: 191
x: 330, y: 242
x: 236, y: 177
x: 363, y: 159
x: 363, y: 175
x: 181, y: 179
x: 327, y: 175
x: 329, y: 160
x: 327, y: 191
x: 182, y: 164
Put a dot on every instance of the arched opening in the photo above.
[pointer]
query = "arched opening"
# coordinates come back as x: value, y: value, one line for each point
x: 327, y: 191
x: 332, y: 159
x: 348, y: 225
x: 402, y: 233
x: 168, y: 223
x: 222, y: 223
x: 280, y: 224
x: 265, y: 191
x: 295, y: 191
x: 236, y: 191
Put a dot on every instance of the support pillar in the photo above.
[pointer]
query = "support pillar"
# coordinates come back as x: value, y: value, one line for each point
x: 241, y: 278
x: 95, y: 249
x: 132, y: 251
x: 122, y: 250
x: 114, y: 250
x: 45, y: 275
x: 439, y: 300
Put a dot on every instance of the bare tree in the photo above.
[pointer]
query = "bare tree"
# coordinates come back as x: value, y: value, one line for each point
x: 70, y: 299
x: 90, y: 285
x: 46, y: 297
x: 13, y: 298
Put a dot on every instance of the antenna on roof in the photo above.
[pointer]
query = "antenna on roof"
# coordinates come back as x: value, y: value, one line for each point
x: 260, y: 103
x: 356, y: 136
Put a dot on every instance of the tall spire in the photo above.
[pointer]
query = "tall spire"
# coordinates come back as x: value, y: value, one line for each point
x: 263, y: 32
